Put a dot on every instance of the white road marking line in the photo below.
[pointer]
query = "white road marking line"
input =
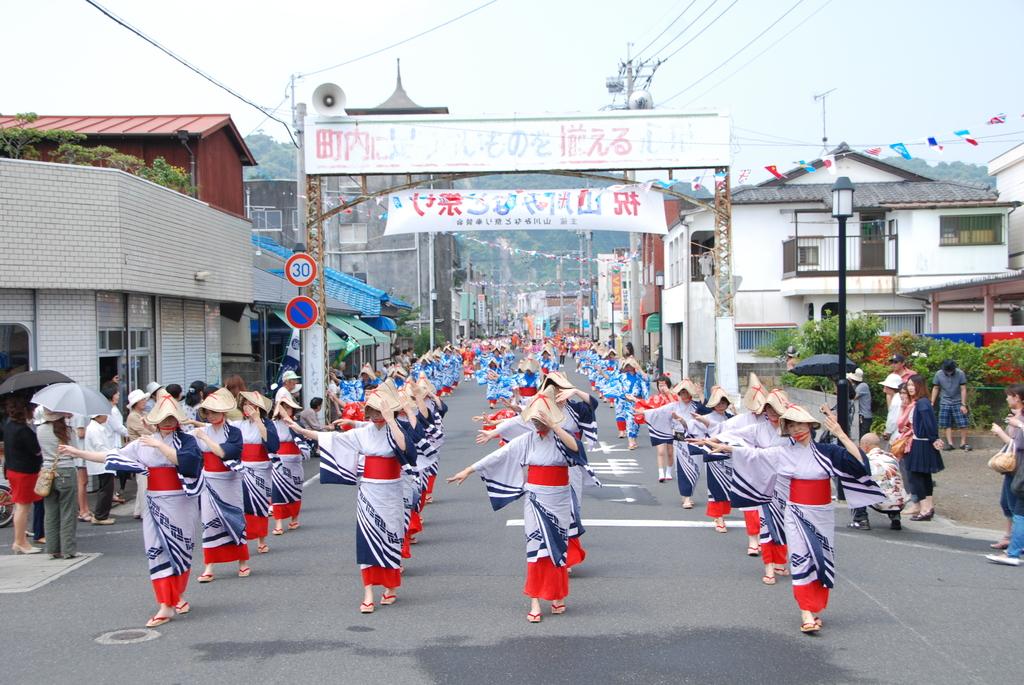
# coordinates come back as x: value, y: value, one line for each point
x: 621, y: 485
x: 316, y: 477
x: 627, y: 500
x: 641, y: 523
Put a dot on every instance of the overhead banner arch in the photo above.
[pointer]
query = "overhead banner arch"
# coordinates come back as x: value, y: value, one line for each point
x: 441, y: 143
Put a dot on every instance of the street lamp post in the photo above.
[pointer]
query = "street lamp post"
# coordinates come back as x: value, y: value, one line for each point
x: 842, y: 209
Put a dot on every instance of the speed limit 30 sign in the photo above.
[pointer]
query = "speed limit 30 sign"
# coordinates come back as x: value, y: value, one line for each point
x: 300, y: 269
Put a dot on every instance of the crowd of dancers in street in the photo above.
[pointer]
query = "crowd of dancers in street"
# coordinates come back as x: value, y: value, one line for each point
x: 239, y: 464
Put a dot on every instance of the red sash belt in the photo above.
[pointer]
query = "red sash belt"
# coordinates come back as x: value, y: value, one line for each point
x: 811, y: 492
x: 527, y: 392
x: 548, y: 475
x: 288, y: 448
x: 254, y: 452
x: 381, y: 468
x: 163, y: 478
x: 213, y: 463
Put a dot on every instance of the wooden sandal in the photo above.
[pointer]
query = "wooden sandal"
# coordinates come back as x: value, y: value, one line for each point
x: 293, y: 525
x: 811, y: 627
x: 721, y: 528
x: 183, y: 608
x: 244, y: 572
x: 387, y: 599
x: 277, y: 531
x: 366, y: 608
x: 753, y: 551
x: 534, y: 618
x: 557, y: 609
x: 781, y: 571
x: 263, y: 548
x: 768, y: 580
x: 205, y: 578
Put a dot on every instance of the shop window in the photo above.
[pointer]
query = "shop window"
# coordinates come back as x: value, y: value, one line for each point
x: 14, y: 349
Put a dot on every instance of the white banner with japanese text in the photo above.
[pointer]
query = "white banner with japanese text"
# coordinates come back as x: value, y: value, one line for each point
x: 439, y: 143
x: 635, y: 208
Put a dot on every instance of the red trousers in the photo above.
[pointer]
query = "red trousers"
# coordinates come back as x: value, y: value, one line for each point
x: 717, y: 509
x: 576, y: 553
x: 812, y: 597
x: 170, y: 589
x: 378, y: 575
x: 225, y: 553
x: 256, y: 526
x: 772, y: 553
x: 544, y: 580
x: 752, y: 517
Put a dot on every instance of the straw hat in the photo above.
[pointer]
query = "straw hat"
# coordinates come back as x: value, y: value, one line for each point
x: 797, y: 414
x: 779, y: 401
x: 136, y: 396
x: 529, y: 364
x: 397, y: 370
x: 687, y: 385
x: 256, y: 399
x: 609, y: 353
x: 221, y: 401
x: 286, y: 398
x: 755, y: 396
x: 381, y: 401
x: 544, y: 407
x: 629, y: 361
x: 390, y: 391
x: 368, y: 370
x: 426, y: 385
x: 717, y: 395
x: 559, y: 380
x: 164, y: 406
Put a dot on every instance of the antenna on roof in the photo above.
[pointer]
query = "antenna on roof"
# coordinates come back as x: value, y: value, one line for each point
x: 824, y: 133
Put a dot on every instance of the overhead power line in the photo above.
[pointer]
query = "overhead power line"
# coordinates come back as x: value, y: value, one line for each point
x: 758, y: 55
x: 699, y: 33
x: 190, y: 66
x: 735, y: 54
x: 664, y: 30
x: 401, y: 42
x: 684, y: 29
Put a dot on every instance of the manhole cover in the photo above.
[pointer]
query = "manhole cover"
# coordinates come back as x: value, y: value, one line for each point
x: 127, y: 637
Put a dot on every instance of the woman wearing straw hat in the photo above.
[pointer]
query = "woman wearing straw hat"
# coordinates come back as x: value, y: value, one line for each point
x: 174, y: 464
x: 546, y: 454
x: 627, y: 386
x: 371, y: 457
x: 763, y: 518
x: 259, y: 441
x: 699, y: 425
x: 579, y: 421
x: 810, y: 514
x: 220, y: 502
x: 287, y: 476
x: 527, y: 381
x: 663, y: 421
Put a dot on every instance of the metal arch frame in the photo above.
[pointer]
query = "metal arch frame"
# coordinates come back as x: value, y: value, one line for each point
x: 721, y: 209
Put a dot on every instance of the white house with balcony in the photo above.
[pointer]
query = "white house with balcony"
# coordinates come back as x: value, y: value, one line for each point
x: 909, y: 232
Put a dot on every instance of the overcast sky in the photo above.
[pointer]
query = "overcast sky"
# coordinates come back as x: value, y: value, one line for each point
x: 902, y: 69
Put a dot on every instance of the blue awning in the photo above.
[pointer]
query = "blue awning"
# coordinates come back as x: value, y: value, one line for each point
x: 381, y: 323
x: 396, y: 302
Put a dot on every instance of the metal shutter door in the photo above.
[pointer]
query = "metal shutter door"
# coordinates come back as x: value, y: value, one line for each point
x: 195, y: 341
x: 213, y: 343
x: 172, y: 343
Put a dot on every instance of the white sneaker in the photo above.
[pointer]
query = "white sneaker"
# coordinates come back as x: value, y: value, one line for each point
x: 1003, y: 559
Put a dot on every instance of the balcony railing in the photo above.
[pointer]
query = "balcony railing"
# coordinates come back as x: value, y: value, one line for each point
x: 819, y: 255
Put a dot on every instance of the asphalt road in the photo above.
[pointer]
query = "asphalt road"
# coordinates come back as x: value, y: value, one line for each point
x: 650, y: 604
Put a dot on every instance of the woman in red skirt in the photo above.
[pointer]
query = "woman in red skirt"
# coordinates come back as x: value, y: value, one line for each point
x: 22, y: 461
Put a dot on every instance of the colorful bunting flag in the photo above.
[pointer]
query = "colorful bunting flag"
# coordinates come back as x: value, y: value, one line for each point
x: 829, y: 161
x: 806, y: 166
x: 901, y: 150
x: 774, y: 171
x: 998, y: 119
x: 874, y: 151
x: 966, y: 135
x: 934, y: 145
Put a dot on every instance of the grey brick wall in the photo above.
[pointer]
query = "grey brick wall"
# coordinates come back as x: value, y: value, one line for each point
x: 67, y: 334
x: 99, y: 229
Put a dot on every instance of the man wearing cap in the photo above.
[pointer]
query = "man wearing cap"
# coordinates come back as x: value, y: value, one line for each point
x: 898, y: 364
x: 289, y: 386
x: 950, y: 388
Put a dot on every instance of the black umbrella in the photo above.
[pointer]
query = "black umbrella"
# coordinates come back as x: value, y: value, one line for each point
x: 823, y: 365
x: 30, y: 380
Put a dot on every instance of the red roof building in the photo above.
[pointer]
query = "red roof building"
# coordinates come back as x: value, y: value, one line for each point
x: 206, y: 145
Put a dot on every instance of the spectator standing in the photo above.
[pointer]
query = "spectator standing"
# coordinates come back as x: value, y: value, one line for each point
x: 894, y: 404
x: 192, y: 399
x: 862, y: 400
x: 61, y: 524
x: 791, y: 357
x: 923, y: 457
x: 99, y: 437
x: 137, y: 427
x: 950, y: 388
x: 1015, y: 544
x: 1007, y: 500
x: 22, y: 460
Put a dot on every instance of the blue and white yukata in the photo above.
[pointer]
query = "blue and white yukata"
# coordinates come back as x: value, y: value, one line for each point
x: 622, y: 384
x: 171, y: 513
x: 536, y: 466
x: 287, y: 476
x: 220, y: 500
x: 527, y: 383
x: 369, y: 458
x: 257, y: 482
x: 548, y: 365
x: 663, y: 427
x: 809, y: 519
x: 499, y: 384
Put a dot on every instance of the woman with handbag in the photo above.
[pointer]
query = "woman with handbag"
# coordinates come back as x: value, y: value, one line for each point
x: 1016, y: 542
x: 899, y: 442
x: 22, y: 460
x: 1006, y: 459
x: 923, y: 458
x: 59, y: 479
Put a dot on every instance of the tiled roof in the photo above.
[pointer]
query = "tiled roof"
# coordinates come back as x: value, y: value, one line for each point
x: 880, y: 194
